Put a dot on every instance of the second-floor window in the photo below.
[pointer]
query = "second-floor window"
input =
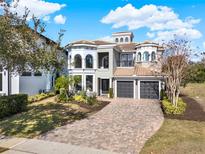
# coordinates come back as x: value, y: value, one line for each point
x: 146, y: 56
x: 139, y: 56
x: 77, y: 61
x: 153, y: 56
x: 105, y: 62
x: 126, y: 60
x: 89, y: 61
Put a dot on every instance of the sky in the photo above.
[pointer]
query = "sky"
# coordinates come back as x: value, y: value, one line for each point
x: 97, y: 19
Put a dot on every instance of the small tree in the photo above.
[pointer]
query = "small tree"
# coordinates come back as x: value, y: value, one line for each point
x: 20, y: 47
x: 174, y: 63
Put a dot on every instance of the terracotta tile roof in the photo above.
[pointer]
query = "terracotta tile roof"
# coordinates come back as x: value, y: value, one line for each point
x: 124, y: 71
x: 96, y: 42
x: 127, y: 47
x: 84, y: 42
x: 99, y: 42
x: 135, y: 71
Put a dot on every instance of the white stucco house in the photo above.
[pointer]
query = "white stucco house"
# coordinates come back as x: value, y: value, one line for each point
x: 30, y: 83
x: 131, y: 69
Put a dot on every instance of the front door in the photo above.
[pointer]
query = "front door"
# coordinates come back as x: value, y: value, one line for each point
x: 105, y: 86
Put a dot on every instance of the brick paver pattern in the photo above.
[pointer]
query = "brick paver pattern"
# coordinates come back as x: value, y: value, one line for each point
x: 123, y: 126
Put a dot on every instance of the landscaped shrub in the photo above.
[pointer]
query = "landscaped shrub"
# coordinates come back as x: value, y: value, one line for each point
x: 40, y: 97
x: 79, y: 98
x: 62, y: 82
x: 13, y: 104
x: 86, y: 97
x: 111, y: 93
x: 63, y: 97
x: 169, y: 108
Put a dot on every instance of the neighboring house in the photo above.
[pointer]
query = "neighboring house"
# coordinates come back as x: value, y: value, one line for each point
x: 132, y: 69
x: 30, y: 83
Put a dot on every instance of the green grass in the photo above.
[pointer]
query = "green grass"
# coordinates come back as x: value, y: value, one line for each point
x: 177, y: 136
x: 194, y: 90
x: 180, y: 136
x: 40, y: 118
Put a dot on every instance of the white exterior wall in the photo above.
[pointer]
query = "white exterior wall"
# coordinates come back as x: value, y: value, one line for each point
x: 83, y: 52
x: 4, y: 83
x: 15, y: 84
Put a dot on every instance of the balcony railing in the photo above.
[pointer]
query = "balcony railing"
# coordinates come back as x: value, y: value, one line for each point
x: 125, y: 63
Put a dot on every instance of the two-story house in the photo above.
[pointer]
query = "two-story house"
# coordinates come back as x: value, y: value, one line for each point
x: 30, y: 83
x: 132, y: 69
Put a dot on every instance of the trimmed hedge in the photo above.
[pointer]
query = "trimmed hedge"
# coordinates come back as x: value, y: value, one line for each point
x: 13, y: 104
x: 169, y: 108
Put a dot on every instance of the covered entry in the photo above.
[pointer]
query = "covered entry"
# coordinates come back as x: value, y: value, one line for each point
x: 125, y: 89
x: 149, y: 89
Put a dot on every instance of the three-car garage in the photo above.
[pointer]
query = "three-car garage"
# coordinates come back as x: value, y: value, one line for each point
x: 141, y: 89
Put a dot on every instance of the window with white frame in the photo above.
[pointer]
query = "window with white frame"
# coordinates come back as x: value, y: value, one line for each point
x: 89, y: 61
x: 105, y: 62
x: 78, y: 82
x: 89, y: 82
x: 146, y: 56
x: 153, y: 56
x: 139, y: 56
x: 77, y: 61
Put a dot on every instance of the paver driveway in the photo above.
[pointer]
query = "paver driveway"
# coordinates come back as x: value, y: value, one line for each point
x: 123, y: 126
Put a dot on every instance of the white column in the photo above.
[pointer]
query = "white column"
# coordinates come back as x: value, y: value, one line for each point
x: 134, y: 89
x: 115, y: 88
x: 159, y: 88
x: 138, y: 92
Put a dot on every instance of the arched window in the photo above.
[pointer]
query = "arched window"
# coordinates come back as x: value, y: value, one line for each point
x: 121, y: 39
x: 153, y: 56
x: 89, y: 61
x: 116, y: 40
x: 146, y: 56
x: 77, y: 61
x: 105, y: 62
x: 139, y: 56
x: 126, y: 39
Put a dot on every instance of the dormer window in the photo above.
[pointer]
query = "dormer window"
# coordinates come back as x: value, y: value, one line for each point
x: 146, y: 56
x: 153, y: 56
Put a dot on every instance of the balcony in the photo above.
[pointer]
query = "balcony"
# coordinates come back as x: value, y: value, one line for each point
x: 125, y: 63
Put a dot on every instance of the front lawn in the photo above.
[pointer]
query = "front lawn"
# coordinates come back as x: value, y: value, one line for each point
x: 42, y: 117
x: 182, y: 134
x: 177, y: 136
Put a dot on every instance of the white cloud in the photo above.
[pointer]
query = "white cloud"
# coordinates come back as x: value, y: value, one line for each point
x: 204, y: 45
x: 60, y: 19
x: 46, y: 18
x: 106, y: 38
x: 150, y: 35
x: 158, y: 19
x: 40, y: 8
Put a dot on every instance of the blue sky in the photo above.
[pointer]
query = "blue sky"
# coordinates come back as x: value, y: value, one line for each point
x: 92, y: 19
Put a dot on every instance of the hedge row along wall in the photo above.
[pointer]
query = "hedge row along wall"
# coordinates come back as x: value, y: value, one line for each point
x: 13, y: 104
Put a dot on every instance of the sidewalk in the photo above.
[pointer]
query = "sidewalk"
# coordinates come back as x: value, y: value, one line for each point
x: 34, y: 146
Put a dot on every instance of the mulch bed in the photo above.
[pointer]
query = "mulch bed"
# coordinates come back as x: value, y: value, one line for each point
x: 194, y: 111
x: 101, y: 104
x: 3, y: 149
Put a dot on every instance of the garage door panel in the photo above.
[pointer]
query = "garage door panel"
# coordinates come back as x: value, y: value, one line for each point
x: 149, y: 89
x: 125, y: 89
